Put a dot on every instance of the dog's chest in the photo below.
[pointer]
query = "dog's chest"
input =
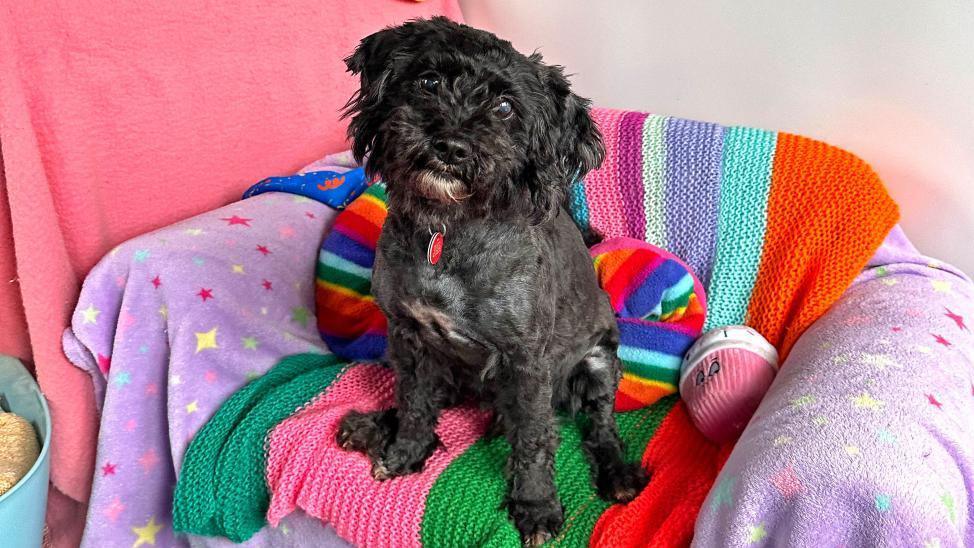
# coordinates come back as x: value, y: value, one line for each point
x: 456, y: 302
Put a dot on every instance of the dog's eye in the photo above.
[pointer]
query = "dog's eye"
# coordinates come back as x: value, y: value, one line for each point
x: 504, y: 109
x: 429, y: 84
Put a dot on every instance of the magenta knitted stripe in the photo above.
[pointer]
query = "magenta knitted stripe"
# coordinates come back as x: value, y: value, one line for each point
x: 307, y: 470
x: 605, y: 206
x: 631, y: 188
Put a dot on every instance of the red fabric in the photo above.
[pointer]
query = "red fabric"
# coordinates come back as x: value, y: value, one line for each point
x: 683, y: 465
x: 119, y: 118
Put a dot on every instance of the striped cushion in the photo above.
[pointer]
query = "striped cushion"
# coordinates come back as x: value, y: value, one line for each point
x: 348, y: 319
x: 660, y: 306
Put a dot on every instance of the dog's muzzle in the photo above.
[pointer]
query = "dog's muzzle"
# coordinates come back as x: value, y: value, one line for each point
x: 441, y: 187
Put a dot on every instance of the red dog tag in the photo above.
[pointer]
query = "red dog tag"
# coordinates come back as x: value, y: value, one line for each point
x: 435, y: 248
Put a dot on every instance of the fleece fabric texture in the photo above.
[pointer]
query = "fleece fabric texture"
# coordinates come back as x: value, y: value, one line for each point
x: 866, y: 437
x: 119, y: 119
x: 172, y: 323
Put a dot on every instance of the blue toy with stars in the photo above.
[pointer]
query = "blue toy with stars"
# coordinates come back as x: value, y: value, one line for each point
x: 328, y: 187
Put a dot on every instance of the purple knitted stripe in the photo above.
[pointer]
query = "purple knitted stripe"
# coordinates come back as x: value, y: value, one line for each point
x: 631, y: 186
x: 693, y: 173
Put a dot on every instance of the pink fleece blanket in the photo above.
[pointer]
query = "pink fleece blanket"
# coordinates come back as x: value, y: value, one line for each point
x: 116, y: 119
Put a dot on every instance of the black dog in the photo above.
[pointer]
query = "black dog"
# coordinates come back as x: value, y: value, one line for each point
x: 479, y: 143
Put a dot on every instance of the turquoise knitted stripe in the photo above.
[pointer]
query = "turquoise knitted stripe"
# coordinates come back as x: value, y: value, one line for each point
x: 747, y: 162
x: 654, y: 178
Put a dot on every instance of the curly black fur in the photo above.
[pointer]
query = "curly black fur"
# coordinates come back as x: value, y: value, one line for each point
x: 512, y: 315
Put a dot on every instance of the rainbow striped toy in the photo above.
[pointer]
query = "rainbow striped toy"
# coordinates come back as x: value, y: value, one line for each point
x: 660, y: 307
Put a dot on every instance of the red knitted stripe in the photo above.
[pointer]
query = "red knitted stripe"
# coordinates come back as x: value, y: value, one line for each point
x: 683, y: 466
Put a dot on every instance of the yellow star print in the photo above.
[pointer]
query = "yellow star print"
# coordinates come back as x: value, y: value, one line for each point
x: 147, y: 533
x: 756, y: 533
x: 250, y: 343
x: 941, y: 286
x: 802, y: 401
x: 206, y: 339
x: 238, y: 269
x: 90, y: 314
x: 865, y: 401
x: 164, y: 311
x: 194, y: 231
x: 192, y: 407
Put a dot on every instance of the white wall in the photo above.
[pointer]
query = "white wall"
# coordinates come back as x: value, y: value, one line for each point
x: 891, y: 81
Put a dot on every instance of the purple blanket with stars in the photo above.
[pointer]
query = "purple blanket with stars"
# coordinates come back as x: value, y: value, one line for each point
x: 169, y: 325
x: 865, y: 439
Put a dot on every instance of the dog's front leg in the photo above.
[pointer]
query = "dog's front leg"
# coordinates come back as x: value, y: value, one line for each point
x: 419, y: 398
x: 524, y: 403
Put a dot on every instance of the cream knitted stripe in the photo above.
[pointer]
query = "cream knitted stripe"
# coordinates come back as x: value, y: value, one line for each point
x: 654, y: 178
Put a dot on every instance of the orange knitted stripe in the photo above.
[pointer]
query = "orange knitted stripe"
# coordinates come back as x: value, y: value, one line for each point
x: 683, y: 465
x: 810, y: 255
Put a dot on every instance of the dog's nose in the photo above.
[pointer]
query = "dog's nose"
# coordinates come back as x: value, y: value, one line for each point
x: 450, y: 150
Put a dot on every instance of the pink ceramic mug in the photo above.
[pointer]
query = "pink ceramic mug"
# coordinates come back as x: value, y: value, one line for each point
x: 724, y: 377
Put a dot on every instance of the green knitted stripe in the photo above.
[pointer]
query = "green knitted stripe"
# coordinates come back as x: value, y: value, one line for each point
x: 221, y: 488
x: 464, y: 507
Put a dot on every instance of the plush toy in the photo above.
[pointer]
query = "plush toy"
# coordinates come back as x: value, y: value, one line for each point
x: 660, y: 307
x: 724, y: 377
x: 336, y: 189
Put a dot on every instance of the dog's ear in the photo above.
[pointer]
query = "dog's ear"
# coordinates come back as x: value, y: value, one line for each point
x: 372, y: 61
x: 566, y: 144
x: 580, y: 148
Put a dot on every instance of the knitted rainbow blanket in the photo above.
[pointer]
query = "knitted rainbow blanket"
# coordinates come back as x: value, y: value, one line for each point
x: 775, y: 225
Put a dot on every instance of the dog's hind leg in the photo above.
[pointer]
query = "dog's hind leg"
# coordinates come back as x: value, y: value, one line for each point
x: 593, y: 385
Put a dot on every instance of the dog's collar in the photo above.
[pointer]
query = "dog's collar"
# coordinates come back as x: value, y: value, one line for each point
x: 434, y: 250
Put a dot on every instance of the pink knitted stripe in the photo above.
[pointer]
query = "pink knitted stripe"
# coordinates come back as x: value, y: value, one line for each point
x: 306, y: 469
x: 605, y: 205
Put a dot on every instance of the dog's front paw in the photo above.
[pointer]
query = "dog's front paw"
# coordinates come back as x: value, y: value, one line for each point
x: 622, y: 484
x: 403, y: 457
x: 538, y: 521
x: 367, y: 433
